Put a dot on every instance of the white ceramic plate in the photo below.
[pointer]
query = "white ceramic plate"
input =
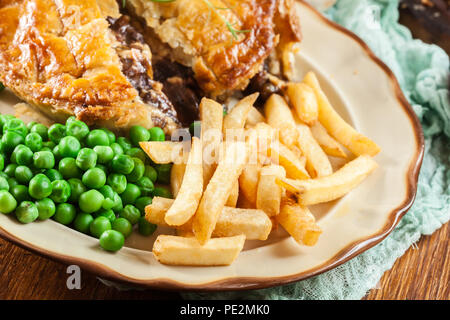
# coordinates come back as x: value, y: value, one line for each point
x: 366, y: 93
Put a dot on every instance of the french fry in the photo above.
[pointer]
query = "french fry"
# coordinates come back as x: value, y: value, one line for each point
x: 328, y: 144
x: 188, y: 198
x: 356, y: 142
x: 268, y: 196
x: 254, y: 117
x: 218, y: 190
x: 304, y: 101
x: 299, y: 222
x: 331, y: 187
x: 234, y: 195
x: 317, y: 162
x: 177, y: 174
x: 282, y: 155
x: 175, y: 250
x: 163, y: 152
x: 279, y: 116
x: 237, y: 117
x: 211, y: 115
x: 252, y: 223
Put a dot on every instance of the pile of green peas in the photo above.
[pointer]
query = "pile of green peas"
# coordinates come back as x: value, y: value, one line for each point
x: 90, y: 180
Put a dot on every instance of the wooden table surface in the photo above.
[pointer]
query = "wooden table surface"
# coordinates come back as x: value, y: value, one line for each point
x: 421, y: 273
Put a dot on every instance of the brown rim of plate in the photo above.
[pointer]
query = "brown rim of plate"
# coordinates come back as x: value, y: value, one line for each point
x: 247, y: 283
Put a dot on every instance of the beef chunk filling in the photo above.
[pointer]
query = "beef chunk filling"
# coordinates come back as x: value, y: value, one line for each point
x: 136, y: 65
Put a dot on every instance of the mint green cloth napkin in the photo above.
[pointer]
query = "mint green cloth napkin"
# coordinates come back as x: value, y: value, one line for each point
x: 423, y: 73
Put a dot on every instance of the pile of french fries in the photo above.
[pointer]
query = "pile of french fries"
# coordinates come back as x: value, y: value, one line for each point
x: 250, y: 172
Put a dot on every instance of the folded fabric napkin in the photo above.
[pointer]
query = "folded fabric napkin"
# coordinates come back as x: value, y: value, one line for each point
x: 423, y: 73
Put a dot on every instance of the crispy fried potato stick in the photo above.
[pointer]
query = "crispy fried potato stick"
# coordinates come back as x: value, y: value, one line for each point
x: 182, y: 251
x: 317, y: 162
x: 279, y: 116
x: 327, y: 142
x: 268, y: 196
x: 304, y: 101
x: 299, y: 222
x: 188, y: 197
x: 218, y: 190
x: 331, y: 187
x: 163, y: 152
x: 356, y: 142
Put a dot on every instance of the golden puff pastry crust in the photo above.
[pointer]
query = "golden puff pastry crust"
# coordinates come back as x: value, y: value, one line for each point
x: 63, y: 58
x: 199, y: 37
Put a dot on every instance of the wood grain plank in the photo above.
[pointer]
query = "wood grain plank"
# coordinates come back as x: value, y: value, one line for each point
x: 422, y: 273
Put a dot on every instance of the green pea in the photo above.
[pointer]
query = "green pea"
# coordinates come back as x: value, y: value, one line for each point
x: 48, y: 144
x: 146, y: 186
x: 33, y: 141
x: 111, y: 135
x: 10, y: 169
x: 162, y: 192
x: 23, y: 174
x: 157, y: 134
x: 82, y: 222
x: 142, y: 202
x: 163, y: 171
x: 60, y: 191
x: 46, y: 208
x: 108, y: 193
x: 151, y: 173
x: 86, y: 159
x: 68, y: 168
x: 124, y: 143
x: 123, y: 226
x: 138, y: 170
x: 90, y: 201
x: 44, y: 160
x: 105, y: 154
x: 4, y: 175
x: 4, y: 185
x: 117, y: 149
x: 118, y: 182
x: 53, y: 174
x: 30, y: 125
x: 146, y: 228
x: 131, y: 193
x: 138, y: 134
x: 94, y: 178
x: 97, y: 138
x: 99, y: 225
x: 131, y: 213
x: 24, y: 156
x: 112, y: 240
x: 137, y: 153
x: 7, y: 202
x: 195, y: 128
x: 70, y: 120
x: 77, y: 189
x: 56, y: 132
x: 10, y: 140
x: 12, y: 182
x: 69, y: 147
x: 106, y: 213
x: 40, y: 187
x: 65, y: 213
x: 77, y: 129
x: 20, y: 192
x: 118, y: 205
x: 122, y: 164
x: 16, y: 125
x: 27, y: 212
x: 41, y: 130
